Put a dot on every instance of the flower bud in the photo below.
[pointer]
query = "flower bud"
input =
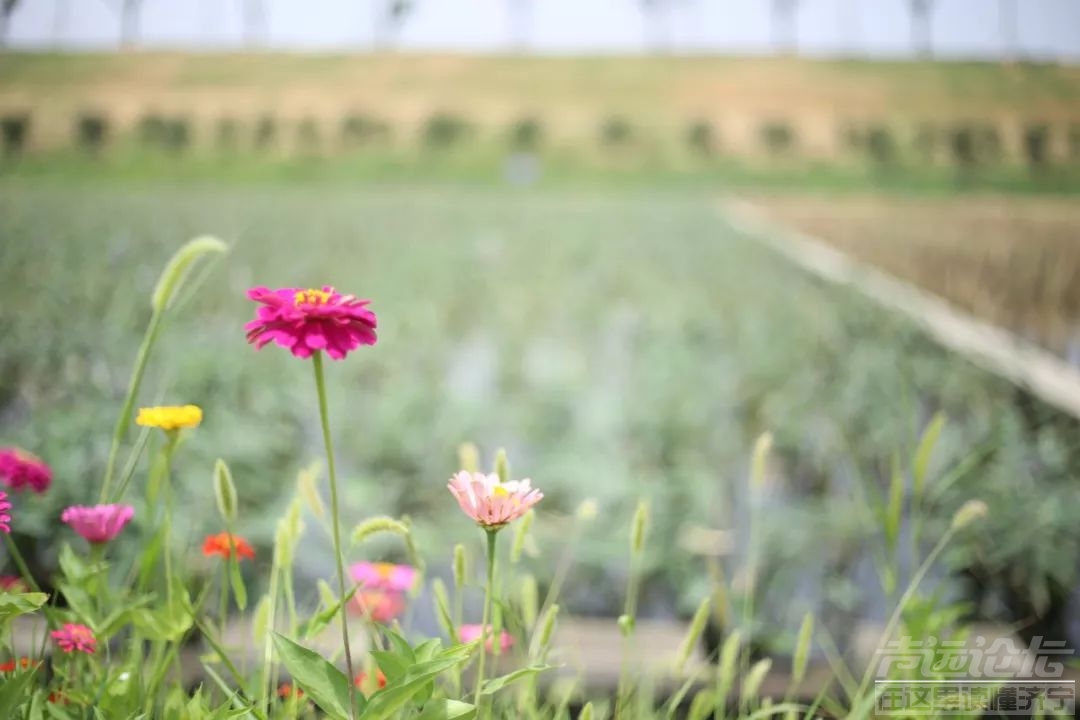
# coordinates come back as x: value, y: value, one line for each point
x: 468, y: 457
x: 224, y: 491
x: 502, y: 465
x: 968, y: 513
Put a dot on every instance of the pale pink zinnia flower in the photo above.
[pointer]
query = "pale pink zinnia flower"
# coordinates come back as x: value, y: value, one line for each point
x: 73, y: 637
x: 5, y: 508
x: 100, y: 523
x: 489, y: 502
x: 20, y: 469
x: 305, y: 321
x: 468, y: 633
x: 378, y: 605
x: 384, y: 576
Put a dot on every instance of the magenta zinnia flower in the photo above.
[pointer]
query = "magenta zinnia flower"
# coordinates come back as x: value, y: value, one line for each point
x: 489, y: 502
x: 468, y: 633
x: 384, y: 576
x: 305, y: 321
x: 73, y: 637
x: 100, y: 523
x: 5, y: 508
x: 20, y: 469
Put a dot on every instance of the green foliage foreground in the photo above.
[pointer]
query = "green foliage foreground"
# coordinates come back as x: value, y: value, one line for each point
x: 696, y: 333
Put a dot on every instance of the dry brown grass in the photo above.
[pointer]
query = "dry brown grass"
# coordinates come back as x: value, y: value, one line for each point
x: 1014, y: 261
x: 573, y: 95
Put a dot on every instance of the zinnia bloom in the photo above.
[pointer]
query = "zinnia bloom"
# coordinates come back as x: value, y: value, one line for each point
x: 468, y: 633
x: 20, y: 469
x: 100, y: 523
x: 5, y: 508
x: 287, y: 690
x: 220, y: 545
x: 12, y: 584
x: 75, y: 638
x: 361, y: 681
x: 170, y: 417
x: 379, y: 605
x: 305, y: 321
x: 489, y: 502
x: 384, y: 576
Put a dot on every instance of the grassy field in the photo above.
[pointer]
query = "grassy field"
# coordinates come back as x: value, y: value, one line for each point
x: 619, y: 344
x: 1015, y: 262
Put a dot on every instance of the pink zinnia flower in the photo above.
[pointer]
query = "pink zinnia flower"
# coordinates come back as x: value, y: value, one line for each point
x: 384, y: 576
x: 5, y: 508
x: 468, y: 633
x: 100, y: 523
x: 305, y: 321
x: 20, y: 469
x: 379, y: 605
x: 489, y: 502
x: 12, y: 584
x: 72, y: 638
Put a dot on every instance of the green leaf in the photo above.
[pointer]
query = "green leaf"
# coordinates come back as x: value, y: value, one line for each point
x: 324, y: 684
x: 12, y: 605
x: 388, y: 701
x: 71, y: 565
x: 180, y: 266
x: 401, y: 646
x: 427, y: 650
x: 921, y: 464
x: 236, y: 581
x: 496, y: 684
x: 447, y: 710
x: 895, y: 509
x: 15, y: 690
x: 394, y: 666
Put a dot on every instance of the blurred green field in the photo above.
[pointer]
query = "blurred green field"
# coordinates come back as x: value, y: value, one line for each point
x: 620, y: 345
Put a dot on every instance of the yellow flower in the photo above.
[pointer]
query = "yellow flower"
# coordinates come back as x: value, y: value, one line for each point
x: 170, y: 417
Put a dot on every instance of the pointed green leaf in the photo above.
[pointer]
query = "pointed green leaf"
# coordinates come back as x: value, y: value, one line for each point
x: 324, y: 684
x: 923, y: 453
x: 15, y: 690
x: 394, y: 666
x: 388, y: 701
x: 12, y: 605
x: 447, y: 710
x: 236, y: 581
x: 495, y: 684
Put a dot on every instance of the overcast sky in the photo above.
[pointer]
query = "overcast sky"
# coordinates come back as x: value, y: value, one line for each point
x: 962, y: 28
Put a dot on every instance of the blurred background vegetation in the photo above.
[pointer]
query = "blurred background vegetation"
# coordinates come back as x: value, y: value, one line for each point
x: 544, y: 243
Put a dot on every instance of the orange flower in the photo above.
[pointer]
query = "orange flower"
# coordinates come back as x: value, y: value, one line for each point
x: 361, y: 682
x: 23, y: 663
x: 221, y: 544
x: 286, y: 691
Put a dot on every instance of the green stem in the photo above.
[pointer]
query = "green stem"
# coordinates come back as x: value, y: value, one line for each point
x: 124, y: 419
x: 223, y: 601
x: 489, y: 591
x: 20, y: 563
x: 320, y: 387
x: 170, y: 447
x: 890, y: 628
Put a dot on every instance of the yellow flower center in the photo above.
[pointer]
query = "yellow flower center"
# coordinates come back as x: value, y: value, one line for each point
x: 311, y: 297
x: 500, y: 492
x: 384, y: 570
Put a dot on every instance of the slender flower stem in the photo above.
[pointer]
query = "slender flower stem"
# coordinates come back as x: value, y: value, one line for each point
x: 20, y: 563
x: 489, y: 591
x: 320, y: 387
